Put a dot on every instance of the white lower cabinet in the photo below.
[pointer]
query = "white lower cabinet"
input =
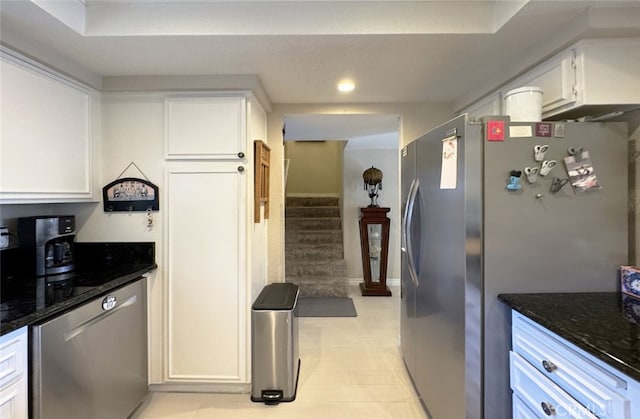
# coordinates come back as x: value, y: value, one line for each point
x: 521, y: 410
x: 206, y: 253
x: 14, y: 378
x: 552, y: 377
x: 541, y: 395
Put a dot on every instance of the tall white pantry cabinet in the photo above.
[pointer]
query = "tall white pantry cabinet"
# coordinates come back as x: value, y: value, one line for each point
x: 208, y: 234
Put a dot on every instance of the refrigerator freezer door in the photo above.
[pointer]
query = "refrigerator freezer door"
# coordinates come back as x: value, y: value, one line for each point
x: 407, y: 281
x: 440, y: 298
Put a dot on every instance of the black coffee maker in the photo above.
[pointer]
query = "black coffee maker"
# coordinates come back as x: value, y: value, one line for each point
x: 47, y: 243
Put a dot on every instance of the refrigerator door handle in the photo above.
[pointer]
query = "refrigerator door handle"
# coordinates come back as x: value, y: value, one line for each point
x: 405, y: 215
x: 408, y: 218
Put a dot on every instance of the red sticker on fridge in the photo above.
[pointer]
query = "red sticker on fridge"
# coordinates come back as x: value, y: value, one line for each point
x: 495, y: 130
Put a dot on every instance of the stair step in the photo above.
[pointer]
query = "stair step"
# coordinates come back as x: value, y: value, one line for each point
x: 313, y: 236
x: 311, y: 268
x: 299, y: 251
x: 314, y: 250
x: 326, y: 223
x: 312, y: 201
x: 311, y: 212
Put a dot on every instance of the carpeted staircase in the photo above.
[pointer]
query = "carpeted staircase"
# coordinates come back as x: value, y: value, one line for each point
x: 314, y: 253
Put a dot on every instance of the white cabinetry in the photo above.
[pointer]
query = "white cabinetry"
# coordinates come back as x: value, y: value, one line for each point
x: 13, y: 375
x: 489, y: 105
x: 593, y: 77
x: 46, y: 135
x: 205, y: 127
x: 557, y: 79
x: 208, y: 197
x: 551, y: 376
x: 206, y: 272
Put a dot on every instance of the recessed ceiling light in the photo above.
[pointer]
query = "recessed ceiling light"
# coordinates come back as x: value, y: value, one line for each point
x: 346, y: 86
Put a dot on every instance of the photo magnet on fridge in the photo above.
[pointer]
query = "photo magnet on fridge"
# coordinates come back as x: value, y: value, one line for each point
x: 581, y: 173
x: 543, y: 129
x: 495, y: 131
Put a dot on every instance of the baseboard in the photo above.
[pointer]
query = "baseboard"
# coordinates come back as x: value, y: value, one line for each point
x: 390, y: 281
x: 312, y: 195
x: 201, y: 388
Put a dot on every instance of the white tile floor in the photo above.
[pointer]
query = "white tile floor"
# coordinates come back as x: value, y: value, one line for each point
x: 351, y: 368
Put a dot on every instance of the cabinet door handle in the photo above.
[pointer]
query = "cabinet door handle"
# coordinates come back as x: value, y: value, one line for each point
x: 241, y: 155
x: 549, y: 366
x: 548, y: 409
x: 240, y: 169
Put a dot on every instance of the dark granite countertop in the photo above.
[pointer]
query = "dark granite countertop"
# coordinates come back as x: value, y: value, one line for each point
x: 606, y: 325
x: 100, y: 268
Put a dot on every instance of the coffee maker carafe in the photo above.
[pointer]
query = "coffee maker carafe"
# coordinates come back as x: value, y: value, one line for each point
x: 47, y: 243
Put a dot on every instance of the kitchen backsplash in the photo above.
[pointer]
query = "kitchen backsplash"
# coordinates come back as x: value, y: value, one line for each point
x: 9, y: 214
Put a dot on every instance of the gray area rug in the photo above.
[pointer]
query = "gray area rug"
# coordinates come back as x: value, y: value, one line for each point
x: 325, y: 307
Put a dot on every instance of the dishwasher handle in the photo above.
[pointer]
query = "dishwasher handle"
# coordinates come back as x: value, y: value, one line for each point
x: 110, y: 308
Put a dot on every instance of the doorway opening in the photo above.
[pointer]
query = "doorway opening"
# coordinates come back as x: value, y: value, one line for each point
x: 325, y: 155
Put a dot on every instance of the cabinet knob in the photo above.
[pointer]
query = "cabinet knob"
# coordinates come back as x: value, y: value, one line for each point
x: 240, y: 169
x: 549, y: 366
x: 548, y: 409
x: 241, y: 155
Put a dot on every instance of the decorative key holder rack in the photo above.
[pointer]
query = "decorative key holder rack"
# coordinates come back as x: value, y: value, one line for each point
x: 131, y: 194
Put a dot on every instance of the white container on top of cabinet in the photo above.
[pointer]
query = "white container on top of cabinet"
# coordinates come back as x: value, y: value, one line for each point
x: 549, y: 375
x: 47, y: 134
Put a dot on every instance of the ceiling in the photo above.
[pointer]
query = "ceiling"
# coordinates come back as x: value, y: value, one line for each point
x: 396, y: 51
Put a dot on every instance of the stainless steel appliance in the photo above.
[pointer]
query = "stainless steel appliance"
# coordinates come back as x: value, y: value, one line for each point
x: 468, y: 239
x: 47, y: 243
x: 92, y: 361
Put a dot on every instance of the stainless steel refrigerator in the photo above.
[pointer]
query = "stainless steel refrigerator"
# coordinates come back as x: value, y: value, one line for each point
x: 471, y: 231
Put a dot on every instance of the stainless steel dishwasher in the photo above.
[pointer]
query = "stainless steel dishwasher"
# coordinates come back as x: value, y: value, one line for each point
x: 91, y: 362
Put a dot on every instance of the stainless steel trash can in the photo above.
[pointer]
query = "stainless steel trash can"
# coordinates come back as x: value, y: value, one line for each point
x: 274, y: 344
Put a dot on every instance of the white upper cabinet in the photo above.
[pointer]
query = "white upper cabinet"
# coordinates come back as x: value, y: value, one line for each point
x: 489, y: 105
x: 557, y: 79
x: 205, y: 127
x: 592, y: 78
x: 608, y: 72
x: 46, y: 135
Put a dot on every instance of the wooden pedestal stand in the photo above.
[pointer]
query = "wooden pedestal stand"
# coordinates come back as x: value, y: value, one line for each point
x: 374, y: 244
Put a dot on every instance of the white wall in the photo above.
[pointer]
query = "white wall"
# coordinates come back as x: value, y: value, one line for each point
x: 357, y: 161
x: 257, y: 232
x: 133, y: 131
